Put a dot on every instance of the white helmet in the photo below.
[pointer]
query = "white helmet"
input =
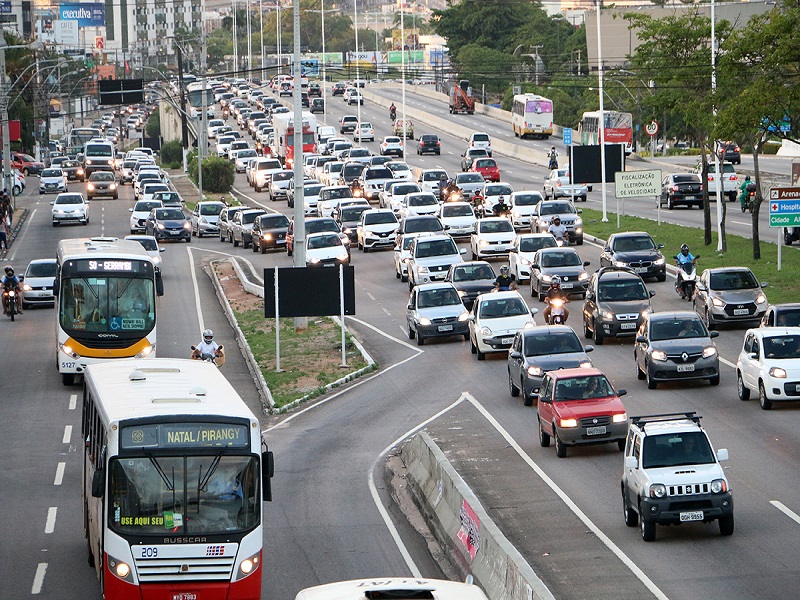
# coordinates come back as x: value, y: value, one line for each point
x: 208, y: 335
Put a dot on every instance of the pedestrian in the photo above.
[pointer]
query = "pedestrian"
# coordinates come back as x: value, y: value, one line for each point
x: 6, y: 209
x: 3, y: 234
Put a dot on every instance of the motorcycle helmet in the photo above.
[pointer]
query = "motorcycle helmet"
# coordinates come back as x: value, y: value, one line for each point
x: 747, y: 177
x: 504, y: 270
x: 556, y: 280
x: 9, y: 270
x: 208, y: 336
x: 556, y: 220
x: 685, y: 249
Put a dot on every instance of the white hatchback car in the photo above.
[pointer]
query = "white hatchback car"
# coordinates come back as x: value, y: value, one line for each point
x: 495, y: 319
x: 364, y: 132
x: 37, y: 288
x: 400, y: 170
x: 769, y: 365
x: 326, y: 249
x: 52, y: 181
x: 523, y: 206
x: 480, y: 140
x: 422, y: 203
x: 70, y: 207
x: 494, y: 236
x: 521, y: 254
x: 458, y: 218
x: 140, y: 212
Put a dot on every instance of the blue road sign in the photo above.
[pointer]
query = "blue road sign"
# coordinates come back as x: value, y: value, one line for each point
x: 567, y: 135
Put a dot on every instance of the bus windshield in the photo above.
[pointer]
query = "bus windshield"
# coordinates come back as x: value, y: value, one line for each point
x: 121, y: 304
x: 158, y: 495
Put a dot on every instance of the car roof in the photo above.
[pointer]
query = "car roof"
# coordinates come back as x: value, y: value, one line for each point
x: 674, y: 314
x: 40, y: 261
x: 546, y: 329
x: 437, y: 285
x: 769, y: 331
x: 617, y: 273
x: 623, y: 234
x: 576, y: 372
x: 729, y: 270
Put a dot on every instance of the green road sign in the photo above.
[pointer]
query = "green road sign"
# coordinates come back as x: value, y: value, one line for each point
x: 784, y: 220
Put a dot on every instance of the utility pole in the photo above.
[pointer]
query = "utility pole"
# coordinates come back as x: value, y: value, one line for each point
x: 4, y: 117
x: 202, y: 142
x: 299, y: 198
x: 184, y: 125
x: 536, y: 64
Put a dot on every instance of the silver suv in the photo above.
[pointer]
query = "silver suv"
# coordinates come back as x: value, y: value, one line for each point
x: 431, y: 257
x: 672, y: 475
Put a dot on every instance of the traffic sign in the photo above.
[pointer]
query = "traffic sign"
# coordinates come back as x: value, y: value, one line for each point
x: 651, y: 128
x: 784, y: 193
x: 784, y: 220
x: 567, y: 136
x: 99, y: 42
x: 632, y: 184
x: 784, y: 207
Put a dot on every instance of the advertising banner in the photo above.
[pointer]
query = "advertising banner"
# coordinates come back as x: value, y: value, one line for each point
x: 87, y: 14
x: 412, y: 57
x: 66, y: 33
x: 5, y: 7
x: 411, y: 41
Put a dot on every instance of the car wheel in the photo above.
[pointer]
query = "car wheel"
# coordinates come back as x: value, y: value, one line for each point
x: 708, y: 321
x: 726, y: 525
x: 527, y: 399
x: 194, y: 233
x: 513, y: 389
x: 397, y: 274
x: 540, y: 294
x: 221, y: 237
x: 411, y: 334
x: 766, y: 403
x: 17, y: 190
x: 420, y: 340
x: 670, y: 204
x: 544, y: 437
x: 289, y: 251
x: 582, y: 198
x: 561, y: 448
x: 741, y: 388
x: 365, y: 249
x: 481, y: 355
x: 648, y: 529
x: 629, y: 515
x: 587, y: 333
x: 662, y: 277
x: 263, y: 249
x: 621, y: 445
x: 474, y: 256
x: 472, y: 348
x: 599, y: 338
x: 404, y: 277
x: 235, y: 243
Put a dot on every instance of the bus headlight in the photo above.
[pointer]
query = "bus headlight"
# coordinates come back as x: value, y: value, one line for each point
x: 120, y: 569
x: 146, y: 352
x: 249, y: 566
x: 68, y: 351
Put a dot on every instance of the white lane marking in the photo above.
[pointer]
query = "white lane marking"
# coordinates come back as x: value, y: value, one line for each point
x: 50, y: 526
x: 67, y: 434
x: 59, y: 473
x: 371, y: 297
x: 383, y: 308
x: 73, y: 401
x: 24, y: 231
x: 253, y: 200
x: 648, y: 583
x: 198, y: 308
x: 788, y: 512
x: 38, y: 578
x: 373, y: 490
x: 740, y: 222
x: 725, y: 361
x: 386, y: 335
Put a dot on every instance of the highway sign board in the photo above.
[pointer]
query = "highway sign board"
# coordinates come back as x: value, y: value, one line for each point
x: 632, y: 184
x: 567, y: 136
x: 784, y: 207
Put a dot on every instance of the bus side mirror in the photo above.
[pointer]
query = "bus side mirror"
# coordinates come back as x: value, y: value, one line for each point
x: 159, y: 284
x: 98, y: 484
x: 267, y: 473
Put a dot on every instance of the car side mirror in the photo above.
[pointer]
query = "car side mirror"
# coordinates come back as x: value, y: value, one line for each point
x: 586, y: 263
x: 52, y: 203
x: 621, y: 393
x: 631, y: 462
x: 588, y: 348
x: 722, y: 454
x: 764, y: 284
x: 713, y: 334
x: 660, y: 246
x: 753, y: 356
x: 534, y: 311
x: 652, y: 293
x: 514, y: 354
x: 541, y: 399
x: 701, y: 287
x: 162, y: 249
x: 579, y: 211
x: 640, y: 339
x: 410, y: 307
x: 98, y: 483
x: 471, y: 318
x: 463, y: 251
x: 607, y: 249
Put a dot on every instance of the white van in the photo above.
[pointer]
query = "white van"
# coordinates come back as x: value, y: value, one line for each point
x: 98, y: 155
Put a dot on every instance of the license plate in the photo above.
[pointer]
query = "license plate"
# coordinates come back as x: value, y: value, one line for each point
x: 741, y: 311
x: 631, y: 325
x: 685, y: 368
x: 184, y: 596
x: 174, y: 232
x: 640, y: 269
x: 566, y: 286
x: 507, y: 341
x: 596, y: 430
x: 691, y: 197
x: 445, y: 328
x: 695, y: 515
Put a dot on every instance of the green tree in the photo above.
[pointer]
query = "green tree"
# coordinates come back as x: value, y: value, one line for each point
x: 491, y: 67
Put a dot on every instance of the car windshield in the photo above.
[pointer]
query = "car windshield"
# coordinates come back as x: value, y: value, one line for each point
x: 633, y: 243
x: 440, y: 297
x: 311, y: 190
x: 170, y: 213
x: 557, y: 208
x: 422, y: 200
x: 426, y: 249
x: 434, y: 176
x: 392, y: 140
x: 403, y: 189
x: 249, y: 217
x: 210, y: 210
x: 485, y: 163
x: 499, y: 226
x: 782, y: 346
x: 733, y: 280
x: 420, y: 225
x: 147, y: 205
x: 353, y: 213
x: 497, y: 190
x: 356, y: 152
x: 670, y: 329
x: 248, y: 153
x: 622, y: 290
x: 396, y: 167
x: 379, y: 218
x: 352, y: 170
x: 323, y: 241
x: 273, y: 221
x: 283, y: 176
x: 174, y: 198
x: 378, y: 173
x: 341, y: 192
x: 582, y: 388
x: 150, y: 188
x: 469, y: 178
x: 41, y: 269
x: 71, y: 164
x: 148, y: 243
x: 321, y: 225
x: 502, y: 307
x: 558, y: 342
x: 527, y: 199
x: 532, y: 244
x: 561, y: 259
x: 70, y: 199
x: 52, y: 173
x: 473, y: 273
x: 676, y: 449
x: 460, y: 210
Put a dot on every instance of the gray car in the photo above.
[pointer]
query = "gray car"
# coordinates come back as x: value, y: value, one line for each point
x: 204, y: 217
x: 547, y: 210
x: 470, y: 184
x: 536, y: 350
x: 729, y: 295
x: 435, y: 310
x: 557, y: 185
x: 615, y: 303
x: 564, y: 262
x: 675, y: 346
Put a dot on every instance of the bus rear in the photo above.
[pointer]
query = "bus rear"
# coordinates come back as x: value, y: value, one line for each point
x: 532, y: 115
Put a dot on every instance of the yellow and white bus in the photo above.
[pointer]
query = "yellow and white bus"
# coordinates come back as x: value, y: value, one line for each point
x: 174, y: 475
x: 532, y: 115
x: 393, y: 587
x: 106, y: 289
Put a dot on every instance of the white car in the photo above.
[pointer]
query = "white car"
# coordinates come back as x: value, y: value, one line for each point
x: 331, y: 171
x: 523, y: 206
x: 480, y: 140
x: 339, y: 148
x: 262, y: 171
x: 224, y: 144
x: 769, y: 365
x: 325, y: 132
x: 40, y: 278
x: 308, y: 164
x: 376, y: 229
x: 149, y: 189
x: 458, y: 218
x: 213, y: 126
x: 429, y: 180
x: 396, y: 196
x: 373, y: 179
x: 360, y: 155
x: 492, y: 192
x: 400, y: 170
x: 234, y: 148
x: 431, y: 257
x: 392, y: 145
x: 494, y: 236
x: 52, y: 181
x: 495, y: 319
x: 311, y: 191
x: 364, y: 132
x: 70, y: 207
x: 422, y: 203
x: 243, y: 157
x: 325, y: 249
x: 521, y: 254
x: 140, y: 212
x: 150, y: 246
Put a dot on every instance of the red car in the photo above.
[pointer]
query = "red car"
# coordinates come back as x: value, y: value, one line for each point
x: 580, y: 406
x: 487, y: 167
x: 26, y: 163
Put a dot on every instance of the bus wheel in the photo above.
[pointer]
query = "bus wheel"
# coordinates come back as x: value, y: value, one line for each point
x: 68, y: 378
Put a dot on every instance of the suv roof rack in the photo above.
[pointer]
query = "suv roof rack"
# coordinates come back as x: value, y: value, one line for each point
x: 643, y: 420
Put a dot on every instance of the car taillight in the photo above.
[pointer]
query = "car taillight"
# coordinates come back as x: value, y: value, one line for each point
x: 674, y: 188
x: 736, y: 149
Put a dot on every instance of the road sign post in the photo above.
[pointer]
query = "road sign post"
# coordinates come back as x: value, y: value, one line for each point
x: 652, y: 129
x: 784, y: 211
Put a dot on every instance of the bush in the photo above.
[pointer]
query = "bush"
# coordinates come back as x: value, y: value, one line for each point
x: 153, y: 126
x: 218, y: 173
x: 171, y: 152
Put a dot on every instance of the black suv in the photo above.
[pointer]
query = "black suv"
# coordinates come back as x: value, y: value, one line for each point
x: 615, y: 301
x: 637, y: 250
x: 429, y: 143
x: 730, y: 152
x: 338, y: 88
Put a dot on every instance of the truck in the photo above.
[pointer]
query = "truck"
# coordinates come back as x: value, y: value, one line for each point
x: 461, y: 98
x: 283, y: 138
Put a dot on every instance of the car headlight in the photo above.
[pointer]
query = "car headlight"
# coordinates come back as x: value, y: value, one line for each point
x: 777, y: 372
x: 463, y: 316
x: 583, y: 276
x: 314, y: 260
x: 658, y: 490
x: 658, y: 262
x: 567, y: 423
x: 203, y: 221
x: 535, y: 371
x: 187, y: 225
x: 717, y: 302
x: 483, y: 243
x: 79, y: 171
x: 709, y: 352
x: 578, y: 222
x: 659, y: 355
x: 342, y: 257
x: 26, y: 287
x: 524, y: 261
x: 161, y: 226
x: 89, y: 186
x: 424, y: 321
x: 516, y: 214
x: 422, y: 269
x: 587, y: 364
x: 719, y: 486
x: 607, y: 315
x: 761, y: 299
x: 546, y: 278
x: 266, y: 236
x: 619, y: 418
x: 620, y: 263
x: 486, y: 331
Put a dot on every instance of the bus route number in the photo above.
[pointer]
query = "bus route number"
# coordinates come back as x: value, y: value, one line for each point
x: 148, y: 552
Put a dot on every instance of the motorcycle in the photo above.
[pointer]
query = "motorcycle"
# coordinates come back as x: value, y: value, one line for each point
x: 501, y: 209
x: 558, y: 315
x: 10, y: 302
x: 479, y: 207
x: 747, y: 197
x: 217, y: 359
x: 225, y: 113
x: 392, y: 114
x: 561, y: 242
x: 686, y: 280
x: 553, y: 163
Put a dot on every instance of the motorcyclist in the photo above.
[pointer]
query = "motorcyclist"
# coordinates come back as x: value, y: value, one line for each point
x: 504, y: 281
x: 224, y: 200
x: 744, y: 193
x: 449, y: 189
x: 501, y: 208
x: 356, y: 187
x: 555, y: 292
x: 207, y: 346
x: 478, y: 205
x: 684, y: 257
x: 553, y: 158
x: 11, y: 282
x: 392, y: 111
x: 558, y: 230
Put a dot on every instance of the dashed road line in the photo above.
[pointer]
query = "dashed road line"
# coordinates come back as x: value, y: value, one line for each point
x: 50, y: 525
x: 38, y: 578
x: 67, y: 434
x: 59, y: 478
x: 788, y: 512
x: 73, y: 401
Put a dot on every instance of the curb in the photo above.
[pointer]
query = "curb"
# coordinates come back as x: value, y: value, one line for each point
x: 18, y: 222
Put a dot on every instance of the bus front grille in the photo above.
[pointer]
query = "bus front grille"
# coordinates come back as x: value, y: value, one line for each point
x: 217, y: 568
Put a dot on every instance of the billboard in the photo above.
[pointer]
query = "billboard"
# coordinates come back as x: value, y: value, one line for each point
x: 87, y: 14
x: 309, y: 291
x: 5, y: 7
x: 121, y: 91
x: 411, y: 41
x: 395, y: 57
x: 66, y: 33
